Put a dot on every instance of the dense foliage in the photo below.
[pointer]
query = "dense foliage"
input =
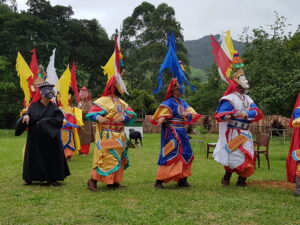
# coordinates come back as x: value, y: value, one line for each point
x: 272, y: 59
x: 46, y: 27
x: 144, y: 37
x: 272, y: 66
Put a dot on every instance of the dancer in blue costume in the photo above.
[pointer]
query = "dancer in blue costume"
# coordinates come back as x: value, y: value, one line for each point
x: 176, y: 155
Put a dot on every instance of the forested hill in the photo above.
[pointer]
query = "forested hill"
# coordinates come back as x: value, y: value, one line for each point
x: 199, y: 51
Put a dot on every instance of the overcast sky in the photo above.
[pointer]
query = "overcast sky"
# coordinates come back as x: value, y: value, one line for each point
x: 197, y: 17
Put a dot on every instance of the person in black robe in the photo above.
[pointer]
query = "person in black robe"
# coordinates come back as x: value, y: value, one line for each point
x: 44, y: 158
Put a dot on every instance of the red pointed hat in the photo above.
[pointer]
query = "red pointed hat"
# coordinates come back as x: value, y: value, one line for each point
x: 110, y: 87
x: 84, y: 88
x: 172, y: 86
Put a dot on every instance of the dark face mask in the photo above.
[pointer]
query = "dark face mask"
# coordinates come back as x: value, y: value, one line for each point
x: 47, y: 92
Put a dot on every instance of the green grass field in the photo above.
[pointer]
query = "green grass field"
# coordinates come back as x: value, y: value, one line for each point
x: 206, y: 202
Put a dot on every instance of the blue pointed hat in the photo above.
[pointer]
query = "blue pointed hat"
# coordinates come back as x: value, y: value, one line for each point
x: 172, y: 64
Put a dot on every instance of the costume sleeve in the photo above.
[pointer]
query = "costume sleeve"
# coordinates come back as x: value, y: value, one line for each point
x: 224, y: 108
x: 161, y: 111
x: 78, y: 116
x: 23, y: 112
x: 254, y: 113
x: 192, y: 116
x: 51, y: 126
x: 296, y: 118
x: 76, y: 139
x: 129, y: 115
x: 20, y: 126
x: 69, y: 121
x: 95, y: 111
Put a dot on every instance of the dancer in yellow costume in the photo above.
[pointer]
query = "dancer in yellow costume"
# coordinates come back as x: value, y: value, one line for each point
x: 111, y: 113
x: 73, y: 116
x: 69, y: 133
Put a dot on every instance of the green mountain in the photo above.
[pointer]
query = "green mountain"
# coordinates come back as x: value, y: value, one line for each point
x: 198, y: 74
x: 199, y: 51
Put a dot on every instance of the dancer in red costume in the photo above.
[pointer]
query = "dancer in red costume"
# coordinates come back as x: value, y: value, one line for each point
x: 293, y: 158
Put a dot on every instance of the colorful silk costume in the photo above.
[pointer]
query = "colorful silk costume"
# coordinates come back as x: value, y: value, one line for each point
x: 109, y: 163
x: 111, y: 113
x: 176, y: 155
x: 73, y: 115
x: 236, y: 111
x: 293, y: 158
x: 69, y: 132
x: 240, y: 159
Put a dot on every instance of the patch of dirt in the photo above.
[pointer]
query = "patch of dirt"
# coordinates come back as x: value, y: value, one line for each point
x: 270, y: 183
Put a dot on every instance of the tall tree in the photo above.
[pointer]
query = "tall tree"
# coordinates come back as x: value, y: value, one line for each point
x: 273, y: 69
x: 272, y: 66
x: 46, y: 27
x: 144, y: 37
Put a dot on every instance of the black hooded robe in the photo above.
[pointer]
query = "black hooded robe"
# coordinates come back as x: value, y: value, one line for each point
x: 44, y: 158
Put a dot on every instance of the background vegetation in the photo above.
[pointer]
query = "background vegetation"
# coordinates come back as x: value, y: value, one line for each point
x: 272, y: 57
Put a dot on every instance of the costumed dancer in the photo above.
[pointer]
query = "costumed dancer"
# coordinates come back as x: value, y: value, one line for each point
x: 87, y: 131
x: 293, y: 158
x: 111, y: 113
x: 69, y: 132
x: 44, y: 158
x: 73, y: 116
x: 176, y: 155
x: 235, y: 113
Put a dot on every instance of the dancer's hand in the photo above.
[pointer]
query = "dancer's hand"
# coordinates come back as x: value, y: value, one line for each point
x: 160, y: 120
x: 118, y: 119
x: 185, y: 114
x: 227, y: 117
x: 25, y: 119
x: 102, y: 119
x: 242, y: 115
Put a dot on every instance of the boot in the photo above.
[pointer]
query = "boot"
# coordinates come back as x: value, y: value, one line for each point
x: 241, y: 182
x: 297, y: 189
x: 92, y: 184
x: 226, y: 179
x: 159, y: 184
x: 114, y: 185
x: 183, y: 183
x: 117, y: 185
x: 54, y: 183
x: 27, y: 182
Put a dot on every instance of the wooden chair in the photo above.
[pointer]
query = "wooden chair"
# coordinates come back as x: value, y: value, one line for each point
x: 210, y: 145
x: 262, y: 140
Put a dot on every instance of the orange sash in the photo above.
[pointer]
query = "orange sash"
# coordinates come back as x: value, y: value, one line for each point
x: 110, y: 144
x: 170, y: 146
x: 236, y: 142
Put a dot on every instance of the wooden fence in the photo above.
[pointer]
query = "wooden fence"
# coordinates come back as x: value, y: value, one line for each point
x: 262, y: 126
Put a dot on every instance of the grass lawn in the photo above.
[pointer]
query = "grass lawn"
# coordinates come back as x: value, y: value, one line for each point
x: 206, y: 202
